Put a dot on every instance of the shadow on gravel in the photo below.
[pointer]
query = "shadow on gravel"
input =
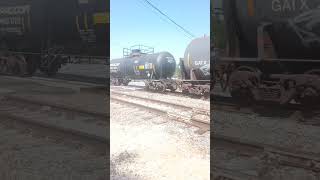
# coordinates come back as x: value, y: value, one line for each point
x: 119, y: 167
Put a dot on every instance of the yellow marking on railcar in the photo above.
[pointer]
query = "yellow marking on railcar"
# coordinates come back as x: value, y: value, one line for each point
x: 141, y: 67
x: 101, y: 18
x: 251, y: 8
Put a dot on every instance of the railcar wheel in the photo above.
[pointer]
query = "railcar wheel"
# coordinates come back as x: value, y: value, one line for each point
x: 309, y: 95
x: 53, y: 68
x: 185, y: 87
x: 115, y: 82
x: 206, y: 95
x: 160, y: 87
x: 32, y: 64
x: 173, y: 87
x: 242, y: 85
x: 22, y: 65
x: 185, y: 91
x: 15, y: 69
x: 3, y: 66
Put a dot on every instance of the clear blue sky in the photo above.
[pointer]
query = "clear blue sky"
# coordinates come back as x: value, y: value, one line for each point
x: 134, y: 22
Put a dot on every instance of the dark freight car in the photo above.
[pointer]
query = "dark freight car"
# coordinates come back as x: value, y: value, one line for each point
x: 197, y: 58
x: 143, y: 66
x: 268, y: 50
x: 157, y: 69
x: 292, y: 26
x: 43, y: 33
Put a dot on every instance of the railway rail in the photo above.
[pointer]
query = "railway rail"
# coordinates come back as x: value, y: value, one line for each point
x: 295, y: 111
x: 74, y: 77
x: 194, y: 116
x: 71, y: 121
x: 266, y: 154
x: 174, y: 93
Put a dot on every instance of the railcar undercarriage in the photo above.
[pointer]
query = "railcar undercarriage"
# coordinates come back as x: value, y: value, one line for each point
x: 269, y: 79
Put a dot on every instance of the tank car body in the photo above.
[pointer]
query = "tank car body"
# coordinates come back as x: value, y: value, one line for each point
x: 157, y: 69
x: 144, y: 66
x: 267, y: 50
x: 41, y: 29
x: 197, y: 56
x: 293, y: 26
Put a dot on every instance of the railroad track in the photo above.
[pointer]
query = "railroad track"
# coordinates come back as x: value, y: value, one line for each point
x: 265, y: 155
x: 175, y: 93
x: 268, y: 154
x: 222, y: 173
x: 72, y: 121
x: 79, y: 78
x: 293, y: 111
x: 75, y: 85
x: 186, y: 114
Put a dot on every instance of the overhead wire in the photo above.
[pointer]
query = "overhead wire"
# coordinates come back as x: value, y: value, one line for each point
x: 190, y: 35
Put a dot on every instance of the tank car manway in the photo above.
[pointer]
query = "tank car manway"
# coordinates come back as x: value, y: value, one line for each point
x: 87, y: 125
x: 194, y: 116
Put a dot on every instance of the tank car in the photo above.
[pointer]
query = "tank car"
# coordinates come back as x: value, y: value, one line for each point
x: 141, y: 66
x: 195, y: 67
x: 268, y: 50
x: 42, y: 34
x: 157, y: 69
x: 197, y: 57
x: 292, y: 26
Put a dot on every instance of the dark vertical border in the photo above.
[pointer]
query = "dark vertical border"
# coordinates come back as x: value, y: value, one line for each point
x: 108, y: 89
x: 212, y: 85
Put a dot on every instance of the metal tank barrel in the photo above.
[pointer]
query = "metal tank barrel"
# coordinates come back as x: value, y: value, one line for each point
x: 292, y: 25
x: 197, y: 56
x: 32, y: 26
x: 160, y: 65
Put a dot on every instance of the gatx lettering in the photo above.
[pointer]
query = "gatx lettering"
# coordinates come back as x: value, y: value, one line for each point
x: 200, y: 63
x: 289, y: 5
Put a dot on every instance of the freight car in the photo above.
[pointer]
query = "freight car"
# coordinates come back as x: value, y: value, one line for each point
x: 195, y: 67
x: 268, y: 50
x: 44, y: 34
x: 141, y: 63
x: 157, y: 69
